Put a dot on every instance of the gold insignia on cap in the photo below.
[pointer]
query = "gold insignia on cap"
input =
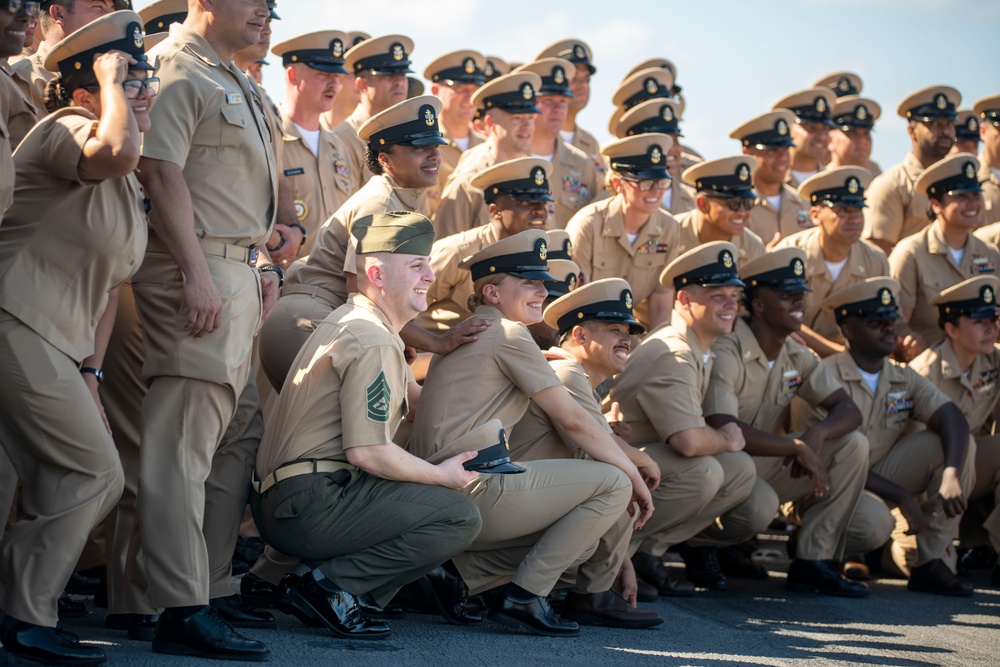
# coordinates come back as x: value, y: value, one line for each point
x: 558, y: 75
x: 579, y: 52
x: 798, y: 268
x: 397, y: 52
x: 539, y: 176
x: 861, y: 113
x: 820, y: 104
x: 488, y: 70
x: 987, y: 295
x: 429, y: 117
x: 526, y: 91
x: 569, y: 248
x: 885, y: 296
x: 571, y: 282
x: 503, y: 439
x: 970, y: 170
x: 781, y: 126
x: 137, y: 36
x: 727, y: 259
x: 77, y: 65
x: 844, y: 84
x: 743, y: 173
x: 972, y: 124
x: 627, y: 298
x: 853, y: 185
x: 543, y: 252
x: 940, y: 101
x: 667, y: 114
x: 651, y: 86
x: 655, y: 155
x: 337, y: 47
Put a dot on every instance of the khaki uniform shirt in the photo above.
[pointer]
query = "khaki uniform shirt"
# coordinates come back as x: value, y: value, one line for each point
x: 473, y: 161
x: 536, y: 437
x: 32, y: 77
x: 349, y: 390
x: 587, y: 143
x: 16, y: 108
x: 991, y: 192
x: 347, y: 136
x: 749, y: 245
x: 602, y: 250
x: 895, y: 209
x: 865, y: 261
x: 450, y: 155
x: 902, y: 397
x: 448, y: 297
x: 990, y: 234
x: 574, y: 181
x: 975, y: 392
x: 923, y: 265
x: 793, y: 217
x: 793, y: 182
x: 461, y: 206
x: 65, y: 242
x: 681, y: 197
x: 493, y: 377
x: 320, y: 184
x: 333, y: 252
x: 664, y: 383
x: 743, y: 386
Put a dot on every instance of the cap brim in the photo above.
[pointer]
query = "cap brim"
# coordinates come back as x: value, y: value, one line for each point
x: 143, y: 64
x: 498, y: 469
x: 517, y: 109
x: 331, y: 69
x: 789, y: 286
x: 968, y: 186
x: 533, y: 275
x: 651, y: 173
x: 403, y: 69
x: 731, y: 282
x: 984, y: 313
x: 530, y: 197
x: 782, y: 143
x: 274, y: 15
x: 422, y: 142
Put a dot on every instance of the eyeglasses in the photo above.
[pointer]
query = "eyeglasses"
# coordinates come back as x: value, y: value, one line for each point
x: 939, y: 124
x: 736, y: 203
x: 30, y: 7
x: 648, y: 184
x: 133, y: 87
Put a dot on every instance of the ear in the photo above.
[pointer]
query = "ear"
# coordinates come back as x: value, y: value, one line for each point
x: 435, y: 89
x: 951, y: 330
x: 491, y: 294
x: 580, y: 335
x: 701, y: 201
x: 683, y: 298
x: 814, y: 213
x: 936, y: 205
x: 361, y: 83
x: 494, y: 211
x: 83, y: 98
x: 911, y: 128
x: 374, y: 273
x: 56, y: 13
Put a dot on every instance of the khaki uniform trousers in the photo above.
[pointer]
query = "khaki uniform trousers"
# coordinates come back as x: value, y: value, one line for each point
x: 693, y: 493
x: 983, y: 514
x: 366, y: 534
x: 557, y: 511
x: 915, y: 463
x: 294, y: 317
x: 64, y: 456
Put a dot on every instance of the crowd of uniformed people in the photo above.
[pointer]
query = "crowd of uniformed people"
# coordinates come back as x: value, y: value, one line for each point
x: 447, y: 352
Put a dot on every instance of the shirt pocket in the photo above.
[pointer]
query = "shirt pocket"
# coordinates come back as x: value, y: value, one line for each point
x: 232, y: 135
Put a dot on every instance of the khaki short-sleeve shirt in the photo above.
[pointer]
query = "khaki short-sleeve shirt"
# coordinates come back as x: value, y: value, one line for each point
x: 991, y: 192
x: 575, y: 183
x: 749, y: 245
x: 602, y: 250
x: 354, y: 149
x: 16, y: 108
x: 901, y: 399
x: 865, y: 261
x: 32, y: 77
x: 975, y: 393
x: 895, y: 209
x: 662, y: 388
x: 792, y: 217
x: 924, y: 266
x: 450, y: 155
x: 66, y: 242
x: 493, y: 377
x: 461, y: 206
x: 473, y: 161
x: 536, y: 437
x: 448, y: 297
x: 681, y: 198
x: 320, y: 184
x: 347, y: 389
x: 208, y: 120
x: 742, y: 384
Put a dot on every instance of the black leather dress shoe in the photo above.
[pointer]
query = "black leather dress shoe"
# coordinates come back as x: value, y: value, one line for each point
x: 70, y: 608
x: 822, y: 576
x: 935, y: 577
x: 608, y: 609
x: 117, y: 621
x: 371, y: 609
x: 651, y: 569
x: 142, y: 627
x: 239, y: 614
x: 204, y: 634
x: 734, y: 562
x: 36, y: 644
x: 337, y: 610
x: 82, y: 584
x: 534, y: 615
x: 702, y: 567
x: 258, y: 592
x: 647, y: 592
x: 287, y: 605
x: 450, y: 595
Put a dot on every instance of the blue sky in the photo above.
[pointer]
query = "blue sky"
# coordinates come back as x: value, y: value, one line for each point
x: 734, y: 58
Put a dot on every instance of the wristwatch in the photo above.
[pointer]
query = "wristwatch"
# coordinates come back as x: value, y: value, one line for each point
x: 302, y: 229
x: 272, y: 267
x: 96, y: 372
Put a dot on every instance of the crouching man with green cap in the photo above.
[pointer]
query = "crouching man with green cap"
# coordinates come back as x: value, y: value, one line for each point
x: 331, y: 487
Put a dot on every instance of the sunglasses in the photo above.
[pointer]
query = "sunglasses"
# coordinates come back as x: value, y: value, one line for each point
x: 30, y: 7
x: 648, y: 184
x: 736, y: 203
x: 133, y: 87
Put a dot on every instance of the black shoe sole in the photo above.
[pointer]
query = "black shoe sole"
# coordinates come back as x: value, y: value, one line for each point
x: 593, y: 619
x: 798, y: 587
x: 963, y: 593
x: 428, y: 589
x: 305, y: 608
x: 16, y: 659
x: 173, y: 648
x: 511, y: 622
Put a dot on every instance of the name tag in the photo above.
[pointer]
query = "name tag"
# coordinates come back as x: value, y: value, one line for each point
x: 897, y: 403
x: 234, y: 98
x: 297, y: 171
x: 790, y: 381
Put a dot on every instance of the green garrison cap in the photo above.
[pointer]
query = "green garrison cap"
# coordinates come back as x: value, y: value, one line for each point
x: 397, y: 232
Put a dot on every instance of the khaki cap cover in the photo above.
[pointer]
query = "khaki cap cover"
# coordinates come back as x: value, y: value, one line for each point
x: 930, y: 102
x: 607, y: 300
x: 841, y: 83
x: 954, y: 173
x: 711, y: 264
